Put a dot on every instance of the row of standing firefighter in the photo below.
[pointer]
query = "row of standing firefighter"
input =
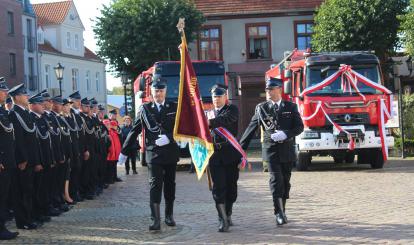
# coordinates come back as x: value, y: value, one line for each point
x: 54, y: 153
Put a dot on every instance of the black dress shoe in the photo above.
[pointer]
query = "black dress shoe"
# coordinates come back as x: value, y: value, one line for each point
x: 105, y: 186
x: 30, y: 226
x: 127, y: 172
x: 118, y: 179
x: 71, y: 203
x: 134, y: 172
x: 7, y: 235
x: 64, y: 207
x: 43, y: 219
x: 53, y: 212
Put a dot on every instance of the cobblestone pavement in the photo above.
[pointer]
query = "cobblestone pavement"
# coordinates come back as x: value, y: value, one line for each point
x: 330, y: 204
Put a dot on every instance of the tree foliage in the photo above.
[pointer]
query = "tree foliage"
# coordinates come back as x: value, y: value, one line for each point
x: 344, y: 25
x: 144, y: 31
x: 407, y: 29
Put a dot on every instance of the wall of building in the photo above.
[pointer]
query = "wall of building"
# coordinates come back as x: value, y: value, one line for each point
x: 11, y: 43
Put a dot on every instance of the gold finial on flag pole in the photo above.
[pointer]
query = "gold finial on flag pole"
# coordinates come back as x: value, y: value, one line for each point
x: 181, y: 25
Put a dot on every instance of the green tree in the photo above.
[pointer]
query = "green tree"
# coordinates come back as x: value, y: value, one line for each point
x: 344, y: 25
x: 144, y: 31
x: 407, y: 28
x: 118, y: 90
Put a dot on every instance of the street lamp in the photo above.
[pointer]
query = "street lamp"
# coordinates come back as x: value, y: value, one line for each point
x: 59, y: 75
x: 124, y: 79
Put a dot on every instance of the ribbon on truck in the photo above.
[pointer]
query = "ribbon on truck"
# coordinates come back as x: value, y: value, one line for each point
x: 349, y: 81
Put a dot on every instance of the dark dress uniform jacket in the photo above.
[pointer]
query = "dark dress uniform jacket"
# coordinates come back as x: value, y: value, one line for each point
x: 7, y: 140
x: 76, y: 118
x: 227, y: 118
x: 24, y: 140
x: 286, y: 119
x: 45, y: 144
x: 154, y: 123
x: 66, y: 138
x: 56, y: 136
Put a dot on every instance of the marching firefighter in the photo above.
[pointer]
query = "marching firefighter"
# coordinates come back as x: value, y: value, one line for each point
x: 223, y: 164
x: 157, y: 118
x: 281, y: 122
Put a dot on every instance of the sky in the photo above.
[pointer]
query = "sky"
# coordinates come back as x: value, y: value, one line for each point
x: 88, y: 11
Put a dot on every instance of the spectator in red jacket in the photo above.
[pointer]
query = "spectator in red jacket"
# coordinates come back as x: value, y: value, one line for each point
x: 114, y: 150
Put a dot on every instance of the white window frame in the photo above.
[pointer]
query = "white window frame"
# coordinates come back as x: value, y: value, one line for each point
x: 47, y: 76
x: 68, y: 40
x: 75, y: 79
x: 76, y: 41
x: 88, y: 81
x: 97, y: 82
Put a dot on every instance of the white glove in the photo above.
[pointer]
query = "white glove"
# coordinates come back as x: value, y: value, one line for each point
x: 278, y: 136
x: 162, y: 140
x: 122, y: 159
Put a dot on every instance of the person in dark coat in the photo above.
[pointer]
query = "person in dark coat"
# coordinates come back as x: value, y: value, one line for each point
x: 7, y: 162
x: 27, y: 158
x: 157, y: 118
x: 223, y: 164
x: 281, y: 122
x: 132, y: 157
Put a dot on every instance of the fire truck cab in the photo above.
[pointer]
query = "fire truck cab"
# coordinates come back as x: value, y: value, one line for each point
x: 303, y: 69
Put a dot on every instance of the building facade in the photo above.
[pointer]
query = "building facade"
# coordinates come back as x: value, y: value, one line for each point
x: 60, y: 39
x: 11, y: 42
x: 250, y: 36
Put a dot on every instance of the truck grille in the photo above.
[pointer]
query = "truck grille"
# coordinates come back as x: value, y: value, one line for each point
x: 350, y: 118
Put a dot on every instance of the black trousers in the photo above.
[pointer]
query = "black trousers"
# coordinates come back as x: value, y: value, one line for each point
x: 22, y: 188
x: 86, y: 176
x: 133, y: 159
x: 5, y: 181
x: 224, y: 178
x: 280, y: 173
x: 41, y: 193
x: 74, y: 181
x: 162, y: 175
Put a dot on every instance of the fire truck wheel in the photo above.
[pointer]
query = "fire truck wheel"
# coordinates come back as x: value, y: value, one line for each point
x: 142, y: 159
x: 362, y: 158
x: 304, y: 160
x: 350, y: 157
x: 377, y: 160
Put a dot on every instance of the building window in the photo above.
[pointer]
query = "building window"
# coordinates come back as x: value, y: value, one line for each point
x: 47, y: 77
x: 75, y: 79
x: 88, y: 81
x: 10, y: 23
x: 68, y: 39
x: 303, y: 34
x: 258, y: 41
x: 76, y: 42
x: 209, y: 45
x: 32, y: 77
x: 97, y: 82
x: 30, y: 38
x: 12, y: 61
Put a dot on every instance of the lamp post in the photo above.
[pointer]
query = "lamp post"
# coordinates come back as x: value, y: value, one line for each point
x: 124, y: 79
x: 59, y: 75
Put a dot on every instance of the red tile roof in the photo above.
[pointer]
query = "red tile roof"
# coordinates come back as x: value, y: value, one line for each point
x: 89, y: 55
x: 240, y: 7
x: 51, y: 13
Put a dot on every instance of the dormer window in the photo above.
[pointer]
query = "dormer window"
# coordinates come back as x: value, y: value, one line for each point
x: 40, y: 36
x: 68, y: 40
x: 76, y: 42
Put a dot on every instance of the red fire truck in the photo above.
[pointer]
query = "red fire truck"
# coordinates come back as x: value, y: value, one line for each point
x: 303, y: 69
x: 208, y: 73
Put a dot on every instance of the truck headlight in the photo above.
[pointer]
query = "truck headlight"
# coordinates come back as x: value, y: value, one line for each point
x: 310, y: 135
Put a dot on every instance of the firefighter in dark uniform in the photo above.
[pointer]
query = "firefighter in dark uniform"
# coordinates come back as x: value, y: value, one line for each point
x: 41, y: 197
x: 87, y: 182
x: 58, y: 169
x: 105, y: 143
x: 281, y: 122
x: 7, y: 162
x: 26, y: 158
x: 67, y: 152
x: 223, y: 164
x: 97, y: 160
x: 162, y: 154
x: 80, y: 152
